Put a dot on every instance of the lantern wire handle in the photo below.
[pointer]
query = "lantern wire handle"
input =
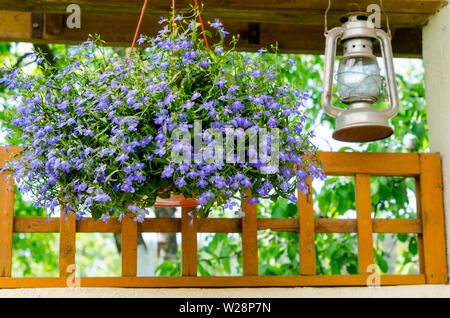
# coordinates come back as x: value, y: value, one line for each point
x: 387, y: 19
x: 326, y: 22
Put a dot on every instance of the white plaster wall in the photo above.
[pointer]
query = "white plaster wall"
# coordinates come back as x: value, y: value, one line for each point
x: 424, y: 291
x: 436, y: 52
x: 436, y: 55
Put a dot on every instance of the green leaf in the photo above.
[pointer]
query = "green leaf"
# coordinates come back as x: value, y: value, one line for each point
x: 382, y: 263
x: 412, y: 246
x: 352, y: 269
x: 402, y: 237
x: 226, y: 264
x: 208, y: 33
x: 97, y: 212
x: 292, y: 252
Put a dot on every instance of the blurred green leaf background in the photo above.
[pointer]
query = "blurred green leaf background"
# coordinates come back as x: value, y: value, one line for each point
x: 221, y: 254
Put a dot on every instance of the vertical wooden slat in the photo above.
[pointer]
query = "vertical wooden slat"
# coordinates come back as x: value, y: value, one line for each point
x: 188, y: 241
x: 129, y: 245
x: 433, y: 219
x: 419, y: 217
x: 306, y: 233
x: 365, y: 232
x: 6, y: 223
x: 249, y: 237
x: 67, y: 232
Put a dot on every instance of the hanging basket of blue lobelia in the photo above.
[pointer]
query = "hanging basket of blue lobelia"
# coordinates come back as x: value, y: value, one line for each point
x: 107, y: 135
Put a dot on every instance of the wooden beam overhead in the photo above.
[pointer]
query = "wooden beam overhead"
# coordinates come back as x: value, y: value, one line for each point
x: 402, y: 13
x: 119, y: 31
x: 297, y: 25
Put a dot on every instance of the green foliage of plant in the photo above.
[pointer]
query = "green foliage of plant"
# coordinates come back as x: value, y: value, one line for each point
x: 170, y: 267
x: 278, y: 253
x: 336, y: 254
x: 34, y: 254
x: 221, y: 254
x: 97, y: 255
x: 336, y: 197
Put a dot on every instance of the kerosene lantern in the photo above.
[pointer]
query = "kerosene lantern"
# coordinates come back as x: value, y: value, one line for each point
x: 358, y: 80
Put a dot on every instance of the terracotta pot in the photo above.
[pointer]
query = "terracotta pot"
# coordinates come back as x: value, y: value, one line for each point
x: 175, y: 201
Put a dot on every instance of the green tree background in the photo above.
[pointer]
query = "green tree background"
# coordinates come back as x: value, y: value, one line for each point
x: 220, y: 254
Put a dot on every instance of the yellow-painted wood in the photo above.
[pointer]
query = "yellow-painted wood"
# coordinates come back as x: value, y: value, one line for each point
x: 6, y: 222
x: 129, y: 246
x: 188, y: 241
x: 429, y: 225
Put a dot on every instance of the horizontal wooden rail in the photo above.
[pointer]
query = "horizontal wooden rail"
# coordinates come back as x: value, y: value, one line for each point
x: 428, y: 225
x: 375, y: 164
x: 342, y: 163
x: 31, y: 224
x: 214, y: 281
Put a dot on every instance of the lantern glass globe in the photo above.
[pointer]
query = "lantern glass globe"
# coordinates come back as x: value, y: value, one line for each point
x: 358, y: 79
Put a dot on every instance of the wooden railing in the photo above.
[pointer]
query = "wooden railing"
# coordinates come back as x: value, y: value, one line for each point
x: 429, y: 227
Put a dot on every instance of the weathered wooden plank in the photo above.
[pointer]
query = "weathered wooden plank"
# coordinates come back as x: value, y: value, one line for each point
x: 340, y: 163
x: 409, y: 12
x: 129, y: 246
x: 323, y: 225
x: 6, y: 223
x: 67, y: 232
x: 433, y: 225
x: 378, y: 164
x: 89, y: 225
x: 378, y: 226
x: 32, y: 224
x: 306, y: 233
x: 252, y: 281
x: 249, y: 237
x: 133, y: 6
x: 220, y: 225
x: 419, y: 218
x: 279, y: 225
x: 160, y: 225
x: 119, y: 31
x: 396, y: 226
x: 365, y: 232
x: 214, y: 281
x: 188, y: 241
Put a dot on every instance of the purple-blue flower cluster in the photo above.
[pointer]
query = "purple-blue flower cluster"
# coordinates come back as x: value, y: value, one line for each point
x: 97, y: 128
